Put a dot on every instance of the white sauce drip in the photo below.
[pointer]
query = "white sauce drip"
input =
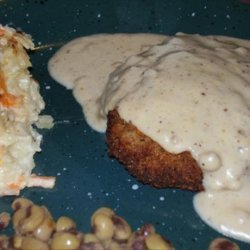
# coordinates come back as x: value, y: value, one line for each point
x: 189, y: 93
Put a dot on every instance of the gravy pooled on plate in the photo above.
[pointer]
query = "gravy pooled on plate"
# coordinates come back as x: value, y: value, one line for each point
x: 187, y: 93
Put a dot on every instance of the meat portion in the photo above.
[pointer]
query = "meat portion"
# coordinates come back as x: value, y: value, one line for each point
x: 147, y: 160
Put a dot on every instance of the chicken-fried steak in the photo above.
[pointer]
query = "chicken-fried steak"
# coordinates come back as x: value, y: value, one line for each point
x: 147, y: 160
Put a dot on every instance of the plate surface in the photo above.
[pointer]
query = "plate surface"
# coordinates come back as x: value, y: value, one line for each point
x: 86, y: 177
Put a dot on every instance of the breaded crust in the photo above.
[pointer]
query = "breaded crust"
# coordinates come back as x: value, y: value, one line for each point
x: 147, y: 160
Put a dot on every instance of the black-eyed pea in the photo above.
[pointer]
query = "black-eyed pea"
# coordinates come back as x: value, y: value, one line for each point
x: 223, y: 243
x: 156, y: 242
x: 35, y: 217
x: 114, y: 246
x: 103, y: 210
x: 17, y: 241
x: 145, y: 230
x: 30, y: 243
x: 136, y: 242
x: 122, y: 228
x: 21, y: 203
x: 64, y: 241
x: 45, y: 229
x: 103, y: 226
x: 90, y: 238
x: 79, y: 236
x: 90, y: 241
x: 65, y: 223
x: 92, y: 245
x: 17, y: 217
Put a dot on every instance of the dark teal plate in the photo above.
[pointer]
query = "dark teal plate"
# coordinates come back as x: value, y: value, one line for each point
x: 86, y: 177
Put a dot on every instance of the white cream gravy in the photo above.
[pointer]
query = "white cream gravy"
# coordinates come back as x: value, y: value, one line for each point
x: 84, y: 65
x: 189, y: 93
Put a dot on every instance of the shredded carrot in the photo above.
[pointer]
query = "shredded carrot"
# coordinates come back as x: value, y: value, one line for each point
x: 6, y: 99
x: 16, y: 185
x: 13, y: 186
x: 9, y: 100
x: 2, y: 31
x: 3, y: 88
x: 41, y: 181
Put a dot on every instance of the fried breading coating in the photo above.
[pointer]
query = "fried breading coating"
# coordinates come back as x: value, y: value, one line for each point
x: 147, y: 160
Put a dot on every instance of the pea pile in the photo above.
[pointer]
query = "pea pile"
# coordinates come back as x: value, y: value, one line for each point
x: 35, y: 229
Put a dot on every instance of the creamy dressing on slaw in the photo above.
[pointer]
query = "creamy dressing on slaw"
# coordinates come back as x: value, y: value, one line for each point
x: 189, y: 92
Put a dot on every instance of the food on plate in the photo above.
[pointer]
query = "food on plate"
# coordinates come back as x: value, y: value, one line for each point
x: 35, y: 228
x: 187, y: 94
x: 95, y: 57
x: 20, y: 105
x: 147, y: 160
x: 223, y: 244
x: 4, y: 220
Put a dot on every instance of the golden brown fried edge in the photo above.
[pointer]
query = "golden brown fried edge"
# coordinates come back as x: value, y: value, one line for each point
x: 147, y: 160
